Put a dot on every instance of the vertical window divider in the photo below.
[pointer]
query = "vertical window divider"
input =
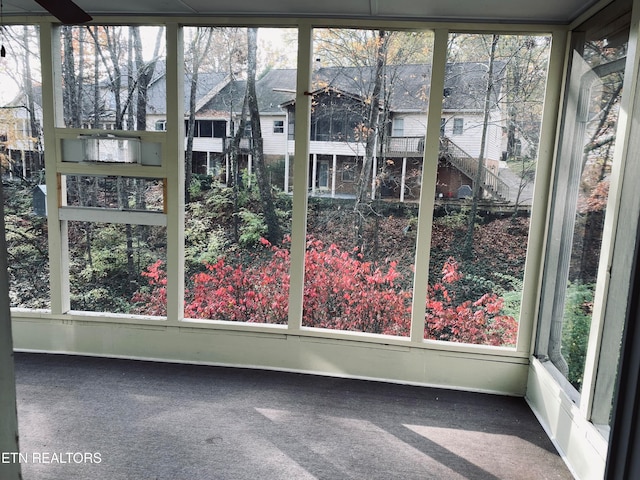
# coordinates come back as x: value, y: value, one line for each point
x: 52, y: 111
x: 301, y: 174
x: 428, y: 189
x: 544, y: 173
x: 553, y: 222
x: 175, y: 201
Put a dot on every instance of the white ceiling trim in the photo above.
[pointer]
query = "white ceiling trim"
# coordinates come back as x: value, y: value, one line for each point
x: 516, y: 11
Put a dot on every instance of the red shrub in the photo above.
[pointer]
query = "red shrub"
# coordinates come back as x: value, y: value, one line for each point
x: 476, y: 322
x: 341, y: 291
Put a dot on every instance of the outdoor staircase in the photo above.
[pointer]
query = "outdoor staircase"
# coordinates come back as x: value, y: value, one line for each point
x: 490, y: 182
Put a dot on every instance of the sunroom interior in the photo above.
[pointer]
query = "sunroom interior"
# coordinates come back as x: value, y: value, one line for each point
x: 548, y: 311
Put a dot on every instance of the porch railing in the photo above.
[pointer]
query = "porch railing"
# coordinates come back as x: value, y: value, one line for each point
x: 490, y: 182
x: 408, y: 146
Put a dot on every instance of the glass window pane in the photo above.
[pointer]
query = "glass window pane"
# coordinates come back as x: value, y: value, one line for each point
x: 117, y: 268
x: 369, y: 109
x: 493, y: 98
x: 113, y: 77
x: 584, y: 167
x: 25, y: 218
x: 115, y: 192
x: 597, y: 143
x: 238, y: 210
x: 22, y: 162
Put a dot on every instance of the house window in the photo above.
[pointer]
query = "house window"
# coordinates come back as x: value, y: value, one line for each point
x: 443, y: 123
x: 219, y: 128
x: 398, y: 127
x: 278, y: 126
x: 458, y: 126
x: 161, y: 125
x: 204, y: 128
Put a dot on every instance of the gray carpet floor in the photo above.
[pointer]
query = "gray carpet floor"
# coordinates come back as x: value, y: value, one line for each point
x: 134, y: 420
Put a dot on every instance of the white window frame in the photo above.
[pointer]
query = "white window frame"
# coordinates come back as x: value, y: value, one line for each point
x: 398, y: 127
x: 458, y: 126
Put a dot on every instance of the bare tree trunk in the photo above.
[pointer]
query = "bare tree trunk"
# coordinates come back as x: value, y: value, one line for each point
x: 80, y: 77
x: 132, y: 76
x: 123, y: 203
x: 116, y: 78
x: 478, y: 180
x: 198, y: 53
x: 70, y: 94
x: 144, y: 74
x: 234, y: 153
x: 274, y: 233
x: 372, y: 122
x: 34, y: 130
x: 96, y: 81
x: 371, y: 131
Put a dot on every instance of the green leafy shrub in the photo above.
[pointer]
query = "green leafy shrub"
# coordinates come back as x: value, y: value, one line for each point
x: 252, y: 229
x: 575, y: 329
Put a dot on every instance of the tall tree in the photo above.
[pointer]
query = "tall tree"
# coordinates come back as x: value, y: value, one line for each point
x: 144, y: 72
x: 34, y: 129
x: 274, y: 232
x: 478, y: 180
x: 372, y: 64
x: 198, y: 49
x: 520, y: 65
x: 372, y: 124
x: 71, y: 94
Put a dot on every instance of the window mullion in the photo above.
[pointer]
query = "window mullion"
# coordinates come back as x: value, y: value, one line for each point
x: 300, y: 176
x: 175, y: 173
x: 427, y: 192
x: 52, y: 111
x: 542, y: 186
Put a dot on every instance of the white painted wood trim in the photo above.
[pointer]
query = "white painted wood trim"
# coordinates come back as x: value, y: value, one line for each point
x: 301, y: 176
x: 174, y: 161
x: 428, y: 188
x: 109, y: 215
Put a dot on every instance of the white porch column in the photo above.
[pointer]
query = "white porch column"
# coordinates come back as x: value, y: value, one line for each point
x: 374, y: 170
x: 403, y: 179
x: 249, y: 169
x: 286, y: 152
x: 334, y: 173
x: 314, y: 171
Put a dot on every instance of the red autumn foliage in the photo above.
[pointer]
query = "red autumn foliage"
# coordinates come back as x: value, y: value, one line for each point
x: 477, y: 322
x: 342, y: 291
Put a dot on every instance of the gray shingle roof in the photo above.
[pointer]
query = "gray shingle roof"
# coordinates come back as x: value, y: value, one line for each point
x: 408, y: 87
